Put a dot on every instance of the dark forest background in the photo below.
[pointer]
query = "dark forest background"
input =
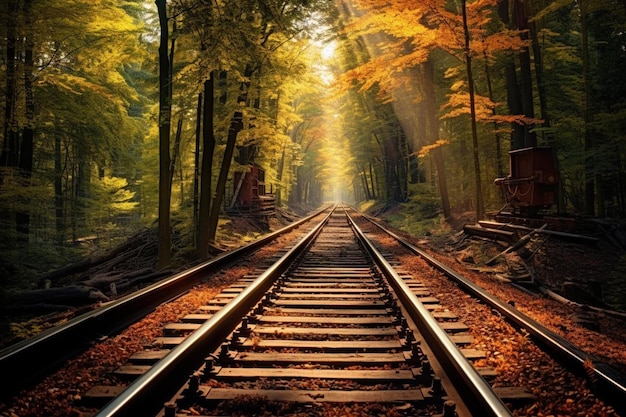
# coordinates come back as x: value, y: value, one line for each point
x: 121, y: 115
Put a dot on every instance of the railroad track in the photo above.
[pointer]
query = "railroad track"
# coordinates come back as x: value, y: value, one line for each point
x: 324, y: 325
x: 336, y: 324
x: 30, y: 360
x: 609, y: 383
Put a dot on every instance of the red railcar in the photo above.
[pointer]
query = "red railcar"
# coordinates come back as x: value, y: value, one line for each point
x: 533, y: 180
x: 250, y: 194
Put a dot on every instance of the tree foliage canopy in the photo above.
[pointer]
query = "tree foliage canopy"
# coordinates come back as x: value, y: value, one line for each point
x: 352, y: 100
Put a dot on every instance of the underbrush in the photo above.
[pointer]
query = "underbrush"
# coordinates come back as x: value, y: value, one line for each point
x: 419, y: 216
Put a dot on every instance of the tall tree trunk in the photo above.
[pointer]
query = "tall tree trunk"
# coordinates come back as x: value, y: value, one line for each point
x: 499, y: 167
x: 470, y: 86
x: 58, y: 190
x: 364, y: 183
x: 165, y: 114
x: 9, y: 154
x: 538, y: 60
x: 196, y: 168
x: 588, y: 116
x: 206, y: 171
x: 22, y: 217
x: 371, y: 169
x: 176, y: 149
x: 403, y: 159
x: 513, y: 97
x: 236, y: 126
x: 82, y: 190
x: 433, y: 135
x: 521, y: 18
x: 279, y: 174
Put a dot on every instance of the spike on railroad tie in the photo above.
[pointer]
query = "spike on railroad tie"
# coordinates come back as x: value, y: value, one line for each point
x: 194, y: 384
x: 406, y: 340
x: 169, y: 409
x: 427, y: 371
x: 388, y: 298
x: 258, y: 309
x: 267, y: 300
x: 409, y: 337
x: 252, y: 318
x: 395, y: 310
x: 208, y: 366
x: 416, y: 350
x: 426, y: 368
x: 436, y: 388
x: 225, y: 353
x: 449, y: 409
x: 236, y: 341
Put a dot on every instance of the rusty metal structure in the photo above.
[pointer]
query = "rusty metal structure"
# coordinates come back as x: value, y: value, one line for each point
x: 250, y: 195
x: 530, y: 190
x: 532, y: 183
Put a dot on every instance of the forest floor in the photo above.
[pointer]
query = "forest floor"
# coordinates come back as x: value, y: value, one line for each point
x: 576, y: 290
x: 582, y: 273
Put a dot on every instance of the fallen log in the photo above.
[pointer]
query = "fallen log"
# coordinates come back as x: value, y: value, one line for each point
x: 41, y: 308
x: 523, y: 241
x: 577, y: 293
x: 573, y: 237
x: 489, y: 233
x: 103, y: 281
x: 608, y: 312
x: 90, y: 263
x: 151, y: 277
x: 72, y: 295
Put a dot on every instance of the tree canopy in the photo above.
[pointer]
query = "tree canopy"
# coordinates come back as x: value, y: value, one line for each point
x: 122, y: 114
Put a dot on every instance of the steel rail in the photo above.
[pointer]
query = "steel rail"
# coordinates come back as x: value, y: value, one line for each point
x: 483, y: 400
x: 166, y: 377
x: 611, y: 381
x: 28, y: 360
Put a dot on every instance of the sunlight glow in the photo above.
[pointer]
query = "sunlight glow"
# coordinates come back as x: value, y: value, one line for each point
x: 328, y: 50
x: 327, y: 55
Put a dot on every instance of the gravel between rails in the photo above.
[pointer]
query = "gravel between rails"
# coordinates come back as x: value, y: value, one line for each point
x: 559, y: 392
x: 59, y: 395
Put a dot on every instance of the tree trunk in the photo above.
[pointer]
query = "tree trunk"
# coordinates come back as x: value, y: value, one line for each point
x: 196, y: 167
x: 588, y: 130
x: 165, y: 110
x: 9, y: 154
x: 538, y: 58
x: 433, y: 135
x: 22, y: 217
x: 470, y: 85
x: 58, y: 189
x: 513, y: 97
x: 82, y: 190
x: 279, y: 174
x: 371, y: 169
x: 236, y: 126
x: 403, y: 158
x: 364, y: 182
x: 206, y: 171
x: 499, y: 167
x: 530, y: 138
x: 176, y: 150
